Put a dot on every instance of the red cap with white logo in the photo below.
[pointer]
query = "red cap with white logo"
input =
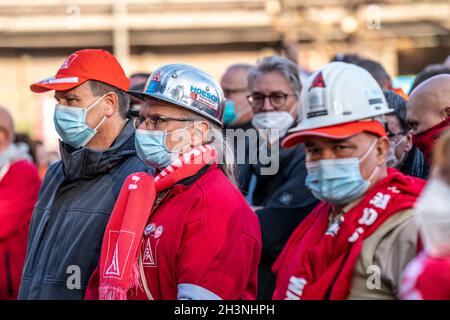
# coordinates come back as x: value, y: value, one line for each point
x: 83, y: 65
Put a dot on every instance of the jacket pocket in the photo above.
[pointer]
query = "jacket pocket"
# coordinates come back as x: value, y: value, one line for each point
x: 80, y: 241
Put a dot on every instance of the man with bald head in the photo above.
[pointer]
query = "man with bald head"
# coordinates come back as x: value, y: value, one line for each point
x: 428, y: 112
x: 238, y: 112
x: 19, y: 187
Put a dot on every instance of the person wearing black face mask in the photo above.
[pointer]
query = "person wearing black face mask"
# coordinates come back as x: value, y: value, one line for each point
x: 403, y: 154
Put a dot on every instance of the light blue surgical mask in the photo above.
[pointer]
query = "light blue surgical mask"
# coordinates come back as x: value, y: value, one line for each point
x: 338, y: 181
x: 230, y: 116
x: 151, y: 147
x: 70, y: 123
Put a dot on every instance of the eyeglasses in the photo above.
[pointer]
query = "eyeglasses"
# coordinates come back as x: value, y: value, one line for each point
x: 155, y: 120
x: 277, y: 99
x: 396, y: 136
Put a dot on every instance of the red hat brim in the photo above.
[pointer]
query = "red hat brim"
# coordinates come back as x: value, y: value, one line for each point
x: 57, y: 83
x: 337, y: 132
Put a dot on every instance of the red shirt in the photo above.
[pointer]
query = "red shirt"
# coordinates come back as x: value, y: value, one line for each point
x: 19, y: 189
x: 426, y: 278
x: 202, y: 242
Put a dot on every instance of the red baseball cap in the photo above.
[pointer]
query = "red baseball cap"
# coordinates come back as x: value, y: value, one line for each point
x: 339, y: 131
x: 83, y: 65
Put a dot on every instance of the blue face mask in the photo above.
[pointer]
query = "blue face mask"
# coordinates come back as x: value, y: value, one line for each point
x: 229, y: 116
x: 70, y: 123
x: 151, y: 148
x: 337, y: 181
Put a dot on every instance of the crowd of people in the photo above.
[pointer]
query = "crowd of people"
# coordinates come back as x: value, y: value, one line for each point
x: 270, y: 184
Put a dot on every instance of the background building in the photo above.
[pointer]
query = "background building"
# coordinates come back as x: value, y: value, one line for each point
x: 36, y: 36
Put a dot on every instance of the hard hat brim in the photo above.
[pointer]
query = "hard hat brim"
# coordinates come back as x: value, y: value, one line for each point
x: 138, y: 94
x: 336, y: 132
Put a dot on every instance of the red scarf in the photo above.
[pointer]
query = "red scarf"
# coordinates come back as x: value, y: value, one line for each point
x: 426, y: 139
x: 120, y: 248
x: 327, y: 255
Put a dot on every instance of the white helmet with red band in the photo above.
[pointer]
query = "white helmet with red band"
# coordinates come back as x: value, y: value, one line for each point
x: 339, y: 93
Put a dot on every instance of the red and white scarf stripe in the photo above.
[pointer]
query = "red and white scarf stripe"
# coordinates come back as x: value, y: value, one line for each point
x: 119, y: 270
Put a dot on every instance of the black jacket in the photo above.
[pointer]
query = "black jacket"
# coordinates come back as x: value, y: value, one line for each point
x: 286, y: 202
x: 415, y: 165
x: 70, y: 217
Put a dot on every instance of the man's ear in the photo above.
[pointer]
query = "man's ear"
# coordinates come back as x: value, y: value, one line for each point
x: 382, y: 148
x: 111, y: 104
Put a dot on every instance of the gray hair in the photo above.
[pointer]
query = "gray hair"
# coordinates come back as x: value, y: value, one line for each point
x: 225, y: 153
x: 285, y: 67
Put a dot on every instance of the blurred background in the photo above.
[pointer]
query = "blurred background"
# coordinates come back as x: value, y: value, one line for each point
x: 36, y: 36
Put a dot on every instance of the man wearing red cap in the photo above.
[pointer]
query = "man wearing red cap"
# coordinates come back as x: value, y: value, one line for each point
x: 78, y: 193
x: 360, y: 237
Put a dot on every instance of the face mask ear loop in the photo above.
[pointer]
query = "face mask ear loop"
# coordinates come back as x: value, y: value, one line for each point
x: 101, y: 122
x: 97, y: 101
x: 168, y: 133
x: 368, y: 151
x: 294, y: 108
x: 365, y: 156
x: 400, y: 141
x: 92, y: 106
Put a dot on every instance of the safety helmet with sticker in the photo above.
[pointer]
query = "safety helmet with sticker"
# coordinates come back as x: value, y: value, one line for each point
x: 339, y: 93
x: 187, y: 87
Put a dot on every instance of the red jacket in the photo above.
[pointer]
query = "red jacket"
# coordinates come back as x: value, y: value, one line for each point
x: 202, y: 241
x: 19, y: 189
x: 426, y: 278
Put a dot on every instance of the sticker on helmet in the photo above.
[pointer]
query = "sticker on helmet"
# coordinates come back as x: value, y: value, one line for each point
x: 374, y: 98
x: 204, y: 97
x: 317, y: 105
x: 156, y: 76
x: 318, y: 82
x: 153, y: 85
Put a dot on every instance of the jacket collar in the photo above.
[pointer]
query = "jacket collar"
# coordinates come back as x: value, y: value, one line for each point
x: 85, y: 163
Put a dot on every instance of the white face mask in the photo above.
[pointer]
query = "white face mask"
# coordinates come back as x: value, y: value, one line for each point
x: 432, y: 212
x: 273, y: 120
x: 392, y: 160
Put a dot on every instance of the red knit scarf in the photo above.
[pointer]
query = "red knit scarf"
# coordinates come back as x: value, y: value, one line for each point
x: 326, y: 255
x: 120, y: 248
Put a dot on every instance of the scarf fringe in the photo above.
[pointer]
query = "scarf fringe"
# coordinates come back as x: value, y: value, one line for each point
x: 136, y: 281
x: 108, y: 292
x: 112, y: 293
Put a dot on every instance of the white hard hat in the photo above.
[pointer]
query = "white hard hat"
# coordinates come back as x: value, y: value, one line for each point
x: 336, y: 95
